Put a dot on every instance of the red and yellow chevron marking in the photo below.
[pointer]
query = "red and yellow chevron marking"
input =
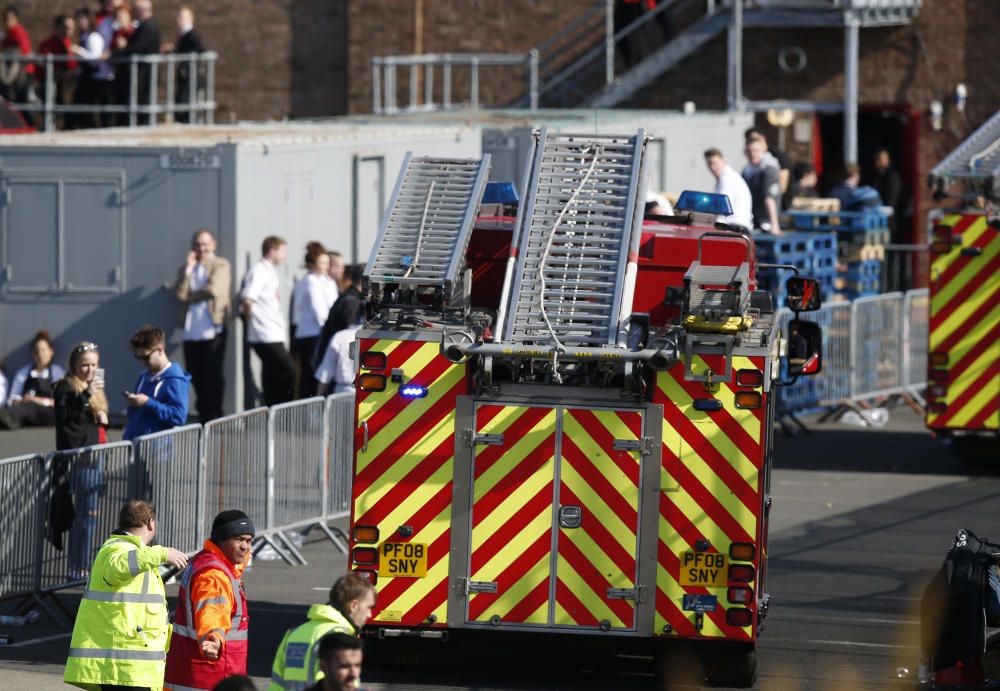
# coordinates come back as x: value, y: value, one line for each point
x: 512, y: 514
x: 965, y: 324
x: 601, y: 553
x: 710, y: 484
x: 404, y: 477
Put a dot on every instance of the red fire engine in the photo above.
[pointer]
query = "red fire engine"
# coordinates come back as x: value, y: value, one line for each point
x: 564, y: 418
x: 963, y: 377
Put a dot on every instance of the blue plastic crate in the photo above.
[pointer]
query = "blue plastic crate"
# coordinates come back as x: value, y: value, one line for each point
x: 859, y: 271
x: 872, y: 219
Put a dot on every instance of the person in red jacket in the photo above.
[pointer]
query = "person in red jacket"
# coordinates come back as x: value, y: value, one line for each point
x: 60, y: 44
x: 211, y: 622
x: 17, y: 82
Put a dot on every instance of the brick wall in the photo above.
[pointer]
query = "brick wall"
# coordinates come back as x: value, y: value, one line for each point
x: 385, y: 27
x: 277, y: 58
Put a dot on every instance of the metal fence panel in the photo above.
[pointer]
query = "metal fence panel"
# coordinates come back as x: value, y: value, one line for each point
x: 916, y: 316
x: 340, y: 455
x: 236, y: 467
x: 298, y: 446
x: 168, y: 467
x: 876, y: 346
x: 833, y: 384
x: 20, y: 480
x: 83, y: 491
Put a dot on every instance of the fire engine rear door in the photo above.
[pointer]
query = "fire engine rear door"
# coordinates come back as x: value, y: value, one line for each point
x: 597, y: 540
x: 510, y: 564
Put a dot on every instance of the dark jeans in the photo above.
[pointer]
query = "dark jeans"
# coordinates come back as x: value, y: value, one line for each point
x: 277, y: 372
x: 85, y: 484
x: 205, y: 361
x: 302, y: 352
x: 992, y: 598
x: 90, y: 91
x: 27, y: 415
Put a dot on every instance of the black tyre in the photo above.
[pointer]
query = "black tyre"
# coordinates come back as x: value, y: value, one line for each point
x: 731, y: 665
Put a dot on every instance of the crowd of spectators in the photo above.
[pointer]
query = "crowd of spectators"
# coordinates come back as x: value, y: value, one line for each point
x: 769, y: 184
x: 92, y: 46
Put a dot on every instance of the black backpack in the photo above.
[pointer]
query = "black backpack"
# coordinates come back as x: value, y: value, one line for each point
x: 953, y: 617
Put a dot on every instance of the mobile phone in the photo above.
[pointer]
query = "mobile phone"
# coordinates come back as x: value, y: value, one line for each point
x: 126, y: 392
x: 99, y: 374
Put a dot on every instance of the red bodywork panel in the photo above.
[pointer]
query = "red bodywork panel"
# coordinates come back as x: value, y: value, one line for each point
x: 665, y: 254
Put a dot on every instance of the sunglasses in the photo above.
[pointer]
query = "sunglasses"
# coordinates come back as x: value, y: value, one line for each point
x: 86, y: 347
x: 144, y: 357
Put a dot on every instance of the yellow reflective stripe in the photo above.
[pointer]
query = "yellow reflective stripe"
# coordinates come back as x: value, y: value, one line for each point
x: 507, y: 600
x: 535, y: 528
x: 711, y: 482
x: 712, y: 432
x: 420, y: 587
x: 623, y: 534
x: 595, y: 555
x: 518, y: 450
x: 382, y: 437
x: 941, y: 262
x: 406, y: 463
x: 675, y: 593
x: 959, y: 319
x: 975, y: 335
x: 420, y: 496
x: 595, y: 604
x: 972, y: 234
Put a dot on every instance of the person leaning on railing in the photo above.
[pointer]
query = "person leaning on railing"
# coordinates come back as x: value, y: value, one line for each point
x: 81, y: 420
x: 121, y: 631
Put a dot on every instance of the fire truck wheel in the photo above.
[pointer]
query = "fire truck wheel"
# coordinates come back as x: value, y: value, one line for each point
x: 732, y: 665
x: 678, y: 666
x: 976, y: 451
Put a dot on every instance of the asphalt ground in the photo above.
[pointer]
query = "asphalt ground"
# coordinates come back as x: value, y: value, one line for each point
x: 861, y: 519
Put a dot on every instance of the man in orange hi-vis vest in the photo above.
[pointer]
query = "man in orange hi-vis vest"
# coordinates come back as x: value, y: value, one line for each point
x: 211, y: 621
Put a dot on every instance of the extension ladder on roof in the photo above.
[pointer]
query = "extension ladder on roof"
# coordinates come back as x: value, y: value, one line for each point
x: 580, y: 222
x: 426, y: 228
x: 975, y: 161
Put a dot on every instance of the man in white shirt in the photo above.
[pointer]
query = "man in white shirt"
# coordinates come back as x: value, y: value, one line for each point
x: 203, y: 287
x: 731, y: 184
x: 266, y: 327
x: 336, y: 372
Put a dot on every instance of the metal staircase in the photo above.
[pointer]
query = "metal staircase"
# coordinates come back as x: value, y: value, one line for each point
x: 426, y: 228
x: 578, y: 232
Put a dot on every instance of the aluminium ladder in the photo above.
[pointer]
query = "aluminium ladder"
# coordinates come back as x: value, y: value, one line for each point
x: 426, y: 228
x: 577, y: 232
x: 976, y: 162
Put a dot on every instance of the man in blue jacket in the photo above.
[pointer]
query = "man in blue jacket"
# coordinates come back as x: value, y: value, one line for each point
x: 160, y: 398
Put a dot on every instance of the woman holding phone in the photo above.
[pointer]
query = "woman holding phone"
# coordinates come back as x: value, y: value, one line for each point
x: 81, y: 420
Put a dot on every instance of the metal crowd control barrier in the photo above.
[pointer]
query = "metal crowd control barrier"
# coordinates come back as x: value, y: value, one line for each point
x: 20, y: 479
x: 339, y: 462
x: 916, y: 332
x: 877, y: 346
x: 296, y: 455
x: 236, y: 469
x: 82, y: 492
x: 168, y: 473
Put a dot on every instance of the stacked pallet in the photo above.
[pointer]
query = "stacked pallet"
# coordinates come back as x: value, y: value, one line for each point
x: 813, y: 254
x: 861, y: 240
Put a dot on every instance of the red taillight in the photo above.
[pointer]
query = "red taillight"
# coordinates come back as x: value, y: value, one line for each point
x: 751, y: 378
x: 372, y: 382
x: 938, y: 376
x: 373, y: 360
x: 748, y: 400
x: 368, y: 556
x: 739, y: 617
x: 366, y: 534
x: 741, y: 573
x: 739, y: 595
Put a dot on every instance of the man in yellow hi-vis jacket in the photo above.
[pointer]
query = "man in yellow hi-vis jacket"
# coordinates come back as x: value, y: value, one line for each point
x: 296, y: 664
x: 121, y: 631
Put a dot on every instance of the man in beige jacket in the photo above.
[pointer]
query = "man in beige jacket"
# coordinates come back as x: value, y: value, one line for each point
x: 203, y: 287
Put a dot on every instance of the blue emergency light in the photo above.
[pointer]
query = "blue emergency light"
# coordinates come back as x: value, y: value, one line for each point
x: 412, y: 391
x: 500, y: 193
x: 704, y: 203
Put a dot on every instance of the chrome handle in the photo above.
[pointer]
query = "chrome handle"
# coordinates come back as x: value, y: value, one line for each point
x: 364, y: 443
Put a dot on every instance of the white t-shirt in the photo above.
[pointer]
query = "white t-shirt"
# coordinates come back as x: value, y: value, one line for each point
x: 3, y: 389
x: 732, y: 184
x: 198, y: 324
x: 312, y: 299
x: 337, y: 365
x: 262, y: 287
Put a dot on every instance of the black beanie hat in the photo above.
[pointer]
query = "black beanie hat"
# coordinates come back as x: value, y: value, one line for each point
x: 230, y: 523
